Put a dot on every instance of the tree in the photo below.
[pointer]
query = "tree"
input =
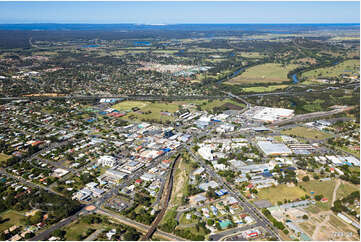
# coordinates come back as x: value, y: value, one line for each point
x: 59, y: 233
x: 318, y: 197
x: 305, y: 217
x: 210, y: 222
x: 305, y: 179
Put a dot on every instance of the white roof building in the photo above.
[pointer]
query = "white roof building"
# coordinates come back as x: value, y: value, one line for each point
x: 107, y: 160
x: 270, y: 148
x: 206, y: 152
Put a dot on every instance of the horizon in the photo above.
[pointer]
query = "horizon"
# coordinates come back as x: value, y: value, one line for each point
x: 170, y: 13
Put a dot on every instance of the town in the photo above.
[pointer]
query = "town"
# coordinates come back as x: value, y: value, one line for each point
x: 179, y: 132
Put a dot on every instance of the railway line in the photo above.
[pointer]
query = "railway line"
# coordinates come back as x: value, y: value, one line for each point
x: 166, y: 199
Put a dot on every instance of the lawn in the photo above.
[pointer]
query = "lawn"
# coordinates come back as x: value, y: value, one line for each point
x: 264, y: 73
x: 307, y: 133
x: 264, y: 89
x: 347, y: 67
x: 283, y: 192
x: 14, y: 219
x: 4, y: 157
x: 324, y: 188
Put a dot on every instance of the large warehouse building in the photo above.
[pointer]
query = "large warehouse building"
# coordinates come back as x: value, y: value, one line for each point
x: 271, y: 149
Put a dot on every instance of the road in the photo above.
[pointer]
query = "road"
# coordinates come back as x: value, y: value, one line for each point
x: 137, y: 225
x: 247, y: 207
x: 45, y: 235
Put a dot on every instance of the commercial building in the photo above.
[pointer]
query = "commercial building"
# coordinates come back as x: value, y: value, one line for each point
x: 273, y: 149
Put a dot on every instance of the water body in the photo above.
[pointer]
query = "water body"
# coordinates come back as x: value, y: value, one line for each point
x: 235, y: 73
x: 295, y: 79
x: 142, y: 43
x: 90, y: 46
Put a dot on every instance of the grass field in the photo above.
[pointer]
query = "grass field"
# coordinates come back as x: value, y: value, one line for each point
x: 251, y: 54
x: 307, y: 133
x: 156, y: 108
x: 208, y: 50
x: 320, y: 187
x: 118, y: 52
x: 346, y: 67
x: 78, y: 228
x: 283, y: 192
x: 4, y: 157
x: 45, y: 53
x: 264, y: 89
x: 265, y: 73
x: 345, y: 189
x: 14, y: 219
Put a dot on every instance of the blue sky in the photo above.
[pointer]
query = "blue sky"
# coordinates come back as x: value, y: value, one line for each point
x: 180, y: 12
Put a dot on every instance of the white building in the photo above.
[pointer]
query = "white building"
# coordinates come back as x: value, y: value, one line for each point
x: 107, y: 160
x: 206, y: 153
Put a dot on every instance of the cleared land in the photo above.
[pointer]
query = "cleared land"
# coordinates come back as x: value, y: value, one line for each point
x: 307, y: 133
x: 265, y: 73
x: 264, y: 89
x: 283, y: 192
x: 349, y: 67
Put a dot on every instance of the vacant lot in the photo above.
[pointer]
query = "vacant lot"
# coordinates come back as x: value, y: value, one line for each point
x: 348, y: 67
x: 324, y: 188
x: 283, y: 192
x: 265, y: 73
x: 10, y: 218
x: 307, y: 133
x: 264, y: 89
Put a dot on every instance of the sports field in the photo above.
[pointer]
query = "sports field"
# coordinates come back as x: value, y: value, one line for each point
x: 349, y: 67
x: 265, y: 73
x: 307, y: 133
x: 283, y: 192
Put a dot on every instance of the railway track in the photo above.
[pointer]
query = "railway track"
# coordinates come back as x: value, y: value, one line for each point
x: 166, y: 198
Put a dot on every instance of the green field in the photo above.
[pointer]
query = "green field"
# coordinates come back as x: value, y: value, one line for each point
x: 14, y: 219
x: 346, y: 67
x: 307, y: 133
x: 265, y: 73
x: 153, y: 110
x: 324, y: 188
x: 264, y: 89
x: 283, y: 192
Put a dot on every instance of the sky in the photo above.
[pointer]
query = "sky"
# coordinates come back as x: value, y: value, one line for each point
x: 180, y: 12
